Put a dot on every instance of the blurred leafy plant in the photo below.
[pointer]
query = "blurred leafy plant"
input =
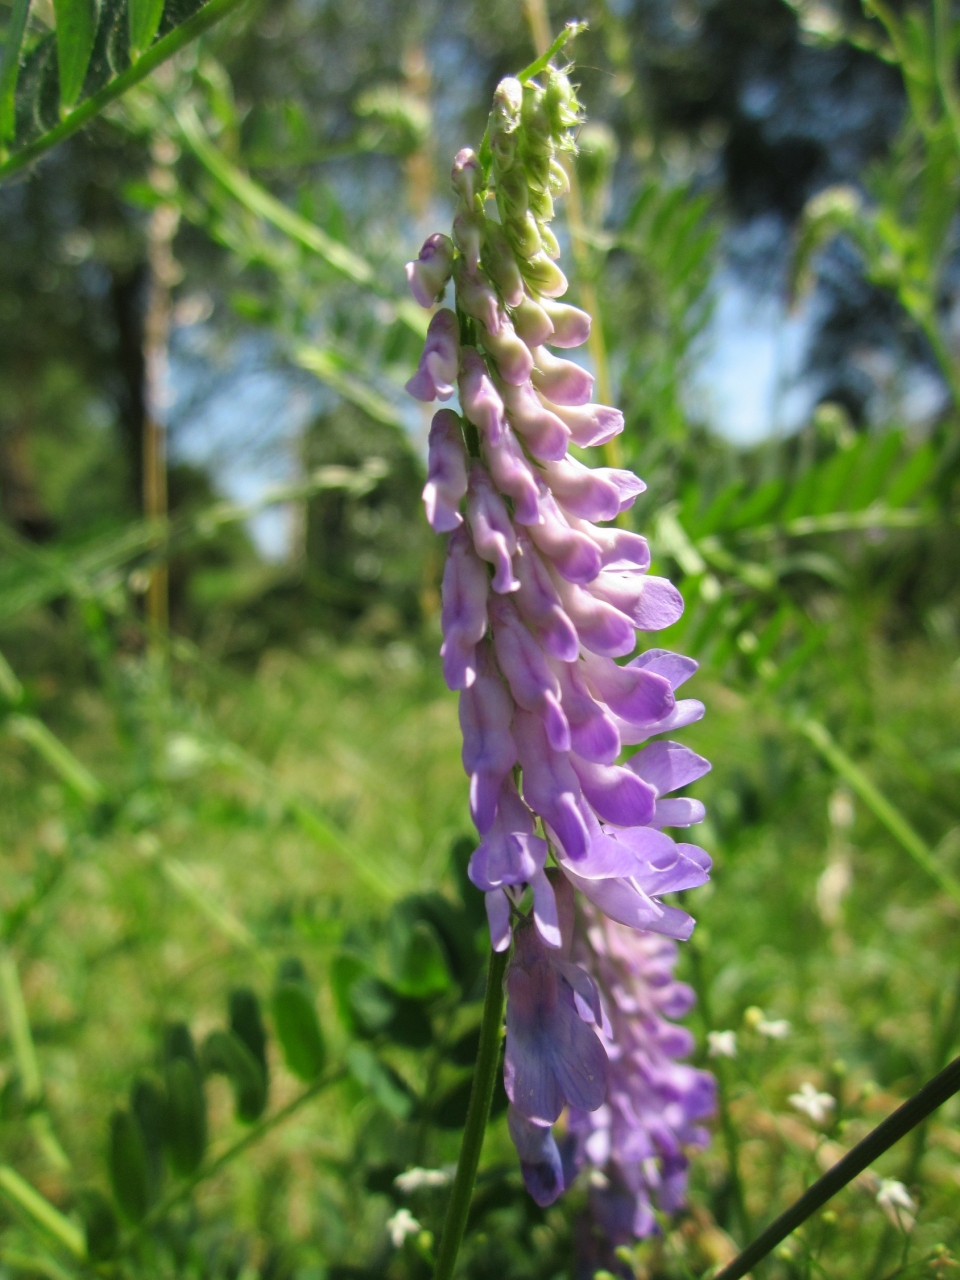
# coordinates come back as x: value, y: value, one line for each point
x: 53, y: 83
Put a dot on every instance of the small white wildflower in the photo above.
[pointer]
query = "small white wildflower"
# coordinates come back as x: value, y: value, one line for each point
x: 722, y: 1044
x: 812, y: 1102
x: 414, y: 1179
x: 778, y: 1029
x: 401, y: 1225
x: 896, y: 1202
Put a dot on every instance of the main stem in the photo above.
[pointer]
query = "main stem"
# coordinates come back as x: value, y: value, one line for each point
x: 481, y: 1095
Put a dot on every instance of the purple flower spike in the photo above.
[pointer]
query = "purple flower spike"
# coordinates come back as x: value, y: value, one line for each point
x: 479, y: 398
x: 540, y: 1162
x: 437, y: 370
x: 493, y: 534
x: 571, y: 326
x: 428, y: 275
x: 446, y: 473
x: 561, y: 381
x: 512, y: 355
x: 513, y: 476
x: 552, y: 1056
x: 489, y: 753
x: 532, y: 683
x: 463, y: 616
x: 538, y: 602
x: 546, y: 435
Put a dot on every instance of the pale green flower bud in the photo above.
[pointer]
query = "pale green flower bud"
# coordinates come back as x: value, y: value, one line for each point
x: 513, y: 194
x: 466, y: 176
x: 532, y: 322
x: 541, y: 204
x: 544, y: 276
x: 560, y: 104
x: 558, y: 179
x: 551, y: 246
x: 524, y: 235
x: 500, y: 263
x: 504, y: 123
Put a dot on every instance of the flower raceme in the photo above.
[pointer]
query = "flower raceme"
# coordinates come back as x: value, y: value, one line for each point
x: 539, y: 600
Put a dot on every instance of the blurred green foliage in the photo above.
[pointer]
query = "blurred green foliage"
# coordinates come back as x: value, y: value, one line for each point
x: 240, y: 963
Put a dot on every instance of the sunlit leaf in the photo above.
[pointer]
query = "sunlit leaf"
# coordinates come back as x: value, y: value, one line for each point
x: 296, y: 1023
x: 127, y: 1162
x: 76, y: 28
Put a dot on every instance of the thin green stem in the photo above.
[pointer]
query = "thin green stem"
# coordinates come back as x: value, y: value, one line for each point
x: 478, y: 1112
x: 249, y: 1139
x: 880, y: 806
x: 172, y: 43
x: 543, y: 60
x: 731, y: 1139
x: 913, y: 1112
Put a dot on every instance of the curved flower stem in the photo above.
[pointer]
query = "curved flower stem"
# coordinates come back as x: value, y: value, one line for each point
x: 913, y: 1112
x: 484, y: 1076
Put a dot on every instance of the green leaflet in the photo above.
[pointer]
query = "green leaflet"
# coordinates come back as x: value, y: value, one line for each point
x: 144, y: 18
x: 10, y: 67
x: 76, y: 28
x: 225, y: 1052
x: 296, y: 1022
x: 186, y: 1111
x: 127, y: 1160
x: 99, y: 1223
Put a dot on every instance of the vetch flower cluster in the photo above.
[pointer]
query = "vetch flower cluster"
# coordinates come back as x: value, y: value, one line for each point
x: 541, y: 595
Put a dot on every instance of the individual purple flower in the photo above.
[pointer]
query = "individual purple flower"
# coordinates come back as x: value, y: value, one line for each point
x: 437, y: 371
x: 586, y: 424
x: 513, y: 476
x: 545, y: 433
x: 477, y: 298
x: 494, y: 538
x: 571, y: 326
x: 428, y: 274
x: 553, y: 1057
x: 489, y: 752
x: 446, y: 473
x: 463, y: 616
x: 509, y: 857
x: 479, y: 398
x: 532, y: 322
x: 540, y: 1162
x: 561, y: 381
